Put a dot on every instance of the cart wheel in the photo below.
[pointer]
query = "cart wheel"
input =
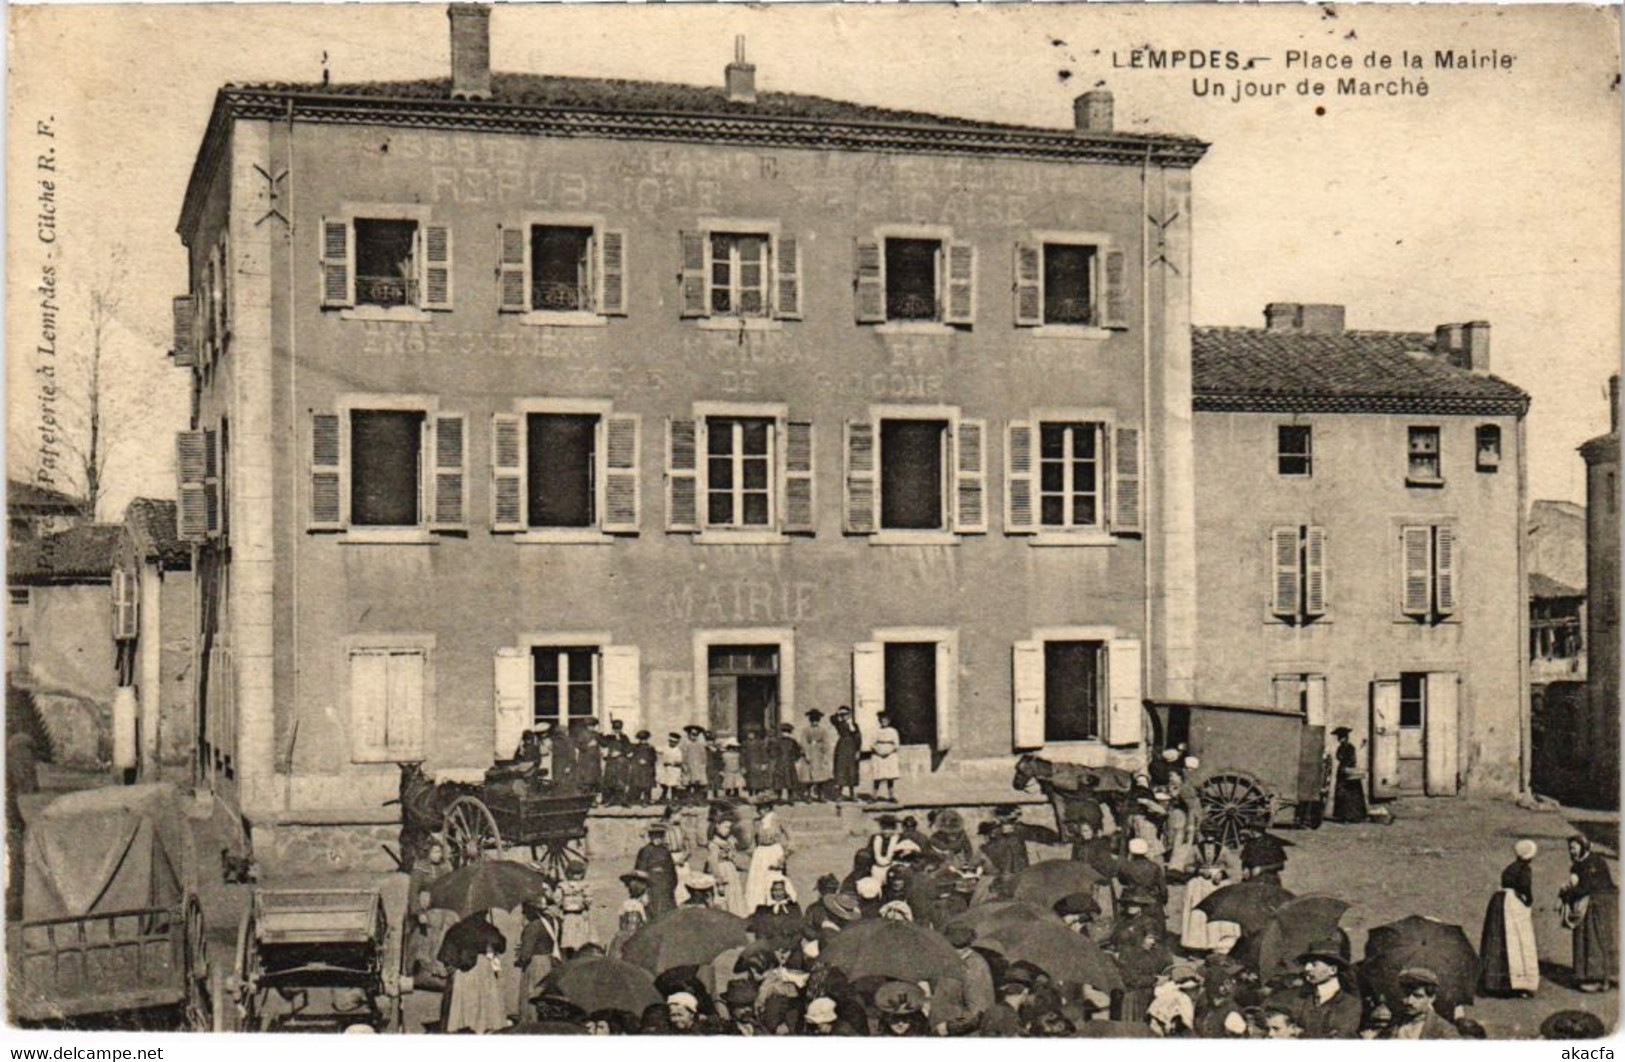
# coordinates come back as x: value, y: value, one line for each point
x: 471, y: 832
x: 557, y: 857
x: 199, y: 1016
x: 1234, y: 803
x: 246, y: 970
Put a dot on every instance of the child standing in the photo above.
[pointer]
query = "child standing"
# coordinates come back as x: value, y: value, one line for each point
x: 575, y: 902
x: 884, y: 762
x: 670, y: 776
x: 733, y: 776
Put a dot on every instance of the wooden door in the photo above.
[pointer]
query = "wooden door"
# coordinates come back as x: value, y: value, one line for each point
x: 1384, y: 751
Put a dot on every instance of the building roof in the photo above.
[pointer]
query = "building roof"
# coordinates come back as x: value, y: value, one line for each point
x: 152, y: 523
x: 1254, y: 369
x: 1601, y: 450
x: 1545, y: 586
x: 81, y: 554
x: 22, y: 496
x: 1556, y: 507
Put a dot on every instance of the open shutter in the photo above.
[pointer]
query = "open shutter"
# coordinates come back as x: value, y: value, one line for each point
x: 695, y: 250
x: 118, y: 604
x: 369, y: 706
x: 787, y: 287
x: 1020, y: 512
x: 1029, y: 285
x: 1315, y: 700
x: 682, y: 474
x: 226, y: 271
x: 1443, y: 732
x: 191, y: 470
x: 868, y: 690
x: 1284, y: 562
x: 1384, y: 737
x: 622, y: 467
x: 338, y: 263
x: 799, y: 505
x: 124, y: 605
x: 1116, y: 308
x: 1027, y: 699
x: 1127, y: 708
x: 513, y: 291
x: 970, y: 477
x: 326, y: 472
x: 507, y: 472
x: 870, y: 283
x: 947, y: 695
x: 449, y: 466
x: 512, y: 701
x: 612, y: 273
x: 1444, y: 570
x: 437, y: 267
x: 1314, y: 571
x: 861, y: 478
x: 623, y: 686
x: 960, y: 305
x: 211, y: 480
x: 403, y: 723
x: 183, y: 310
x: 1126, y: 460
x: 1416, y: 556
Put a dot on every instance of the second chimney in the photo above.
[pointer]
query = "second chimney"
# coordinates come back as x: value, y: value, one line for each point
x: 741, y: 76
x: 470, y: 51
x: 1466, y: 346
x: 1092, y: 112
x: 1319, y: 318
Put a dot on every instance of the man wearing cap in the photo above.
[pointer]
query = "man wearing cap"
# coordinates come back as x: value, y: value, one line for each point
x: 1326, y: 1009
x: 659, y: 870
x: 818, y: 741
x: 589, y: 765
x: 1140, y: 871
x: 640, y: 771
x: 1416, y: 1018
x: 740, y: 999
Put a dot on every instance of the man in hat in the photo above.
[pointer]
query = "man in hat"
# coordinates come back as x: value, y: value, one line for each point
x: 848, y: 743
x: 637, y: 895
x: 756, y: 755
x: 617, y: 763
x: 786, y: 753
x: 1003, y: 1018
x: 1157, y: 770
x: 561, y: 757
x: 1416, y: 1018
x: 641, y: 770
x: 1140, y: 871
x: 696, y: 762
x: 902, y: 1009
x: 1348, y: 800
x: 589, y: 758
x: 655, y: 861
x: 841, y: 910
x: 1006, y: 849
x: 1327, y: 1010
x: 817, y: 912
x: 702, y: 889
x: 1263, y: 857
x: 818, y: 743
x: 740, y: 999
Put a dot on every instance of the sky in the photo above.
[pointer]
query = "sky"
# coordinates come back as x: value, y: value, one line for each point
x: 1495, y: 196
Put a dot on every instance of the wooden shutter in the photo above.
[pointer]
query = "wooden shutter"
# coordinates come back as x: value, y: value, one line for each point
x: 1284, y: 561
x: 622, y: 699
x: 1315, y: 700
x: 512, y: 272
x: 1127, y: 518
x: 622, y: 472
x: 124, y: 605
x: 787, y: 286
x: 403, y: 720
x: 1445, y: 563
x: 449, y: 467
x: 682, y: 474
x: 512, y: 703
x: 1285, y: 689
x: 868, y: 689
x: 211, y: 480
x: 970, y: 476
x: 870, y: 282
x: 1384, y: 751
x: 226, y: 270
x: 800, y: 498
x: 694, y: 277
x: 947, y: 695
x: 183, y: 310
x: 1027, y: 699
x: 191, y: 472
x: 338, y: 263
x: 1020, y: 479
x: 369, y: 705
x: 1127, y: 708
x: 1443, y: 732
x: 436, y: 267
x: 862, y: 478
x: 1116, y: 300
x: 508, y: 472
x: 1029, y: 284
x: 1314, y: 571
x: 612, y: 273
x: 960, y: 305
x: 1416, y: 556
x: 327, y: 495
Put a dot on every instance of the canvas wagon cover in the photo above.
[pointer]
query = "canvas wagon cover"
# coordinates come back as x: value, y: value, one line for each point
x: 112, y: 849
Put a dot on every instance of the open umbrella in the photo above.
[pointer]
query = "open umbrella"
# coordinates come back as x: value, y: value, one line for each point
x: 488, y: 884
x: 984, y: 917
x: 1250, y: 904
x: 1044, y: 883
x: 1064, y: 955
x: 688, y: 936
x: 597, y: 983
x: 1426, y: 942
x: 1294, y: 926
x: 906, y: 951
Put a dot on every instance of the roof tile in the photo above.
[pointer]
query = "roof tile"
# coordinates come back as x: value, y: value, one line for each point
x: 77, y: 555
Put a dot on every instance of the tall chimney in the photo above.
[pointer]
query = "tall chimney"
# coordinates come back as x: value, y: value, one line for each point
x: 470, y: 51
x: 1092, y: 112
x: 1475, y: 345
x: 1282, y: 316
x: 741, y: 76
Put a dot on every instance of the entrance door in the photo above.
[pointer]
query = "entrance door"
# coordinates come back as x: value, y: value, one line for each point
x: 911, y: 691
x: 1413, y: 713
x: 1384, y: 752
x: 744, y: 689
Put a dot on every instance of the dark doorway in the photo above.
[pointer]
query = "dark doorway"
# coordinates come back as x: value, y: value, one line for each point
x: 744, y: 689
x: 911, y: 691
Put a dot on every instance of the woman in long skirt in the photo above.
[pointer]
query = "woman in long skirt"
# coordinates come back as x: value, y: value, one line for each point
x: 1507, y: 960
x: 848, y: 743
x: 473, y: 998
x: 1591, y: 907
x: 1348, y: 800
x: 730, y: 895
x: 768, y: 858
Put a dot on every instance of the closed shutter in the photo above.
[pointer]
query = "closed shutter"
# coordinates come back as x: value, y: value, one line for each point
x: 788, y: 284
x: 1127, y: 517
x: 511, y: 702
x: 695, y: 250
x: 1286, y: 690
x: 947, y: 695
x: 1027, y: 697
x: 1314, y: 571
x: 512, y: 275
x: 338, y: 263
x: 622, y: 472
x: 1029, y: 284
x: 449, y: 466
x: 1116, y: 308
x: 868, y: 689
x: 403, y: 725
x: 1416, y: 549
x: 507, y: 472
x: 960, y: 305
x: 327, y: 494
x: 612, y: 273
x: 437, y: 267
x: 191, y: 471
x: 369, y: 705
x: 1020, y: 511
x: 970, y: 477
x: 1445, y: 562
x: 869, y: 285
x: 1127, y: 708
x: 183, y: 310
x: 800, y: 497
x: 124, y: 605
x: 211, y: 480
x: 861, y: 477
x: 682, y: 474
x: 1284, y: 560
x: 1443, y: 733
x: 1315, y: 700
x: 623, y: 686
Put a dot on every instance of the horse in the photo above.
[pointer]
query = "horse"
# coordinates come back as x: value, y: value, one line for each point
x: 1074, y: 792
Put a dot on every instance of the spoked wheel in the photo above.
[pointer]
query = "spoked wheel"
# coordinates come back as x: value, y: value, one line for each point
x: 556, y: 855
x: 247, y: 973
x: 1234, y: 804
x: 199, y: 988
x: 471, y: 832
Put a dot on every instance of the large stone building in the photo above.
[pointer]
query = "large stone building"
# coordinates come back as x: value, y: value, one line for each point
x: 1360, y: 502
x: 528, y: 398
x: 1601, y: 733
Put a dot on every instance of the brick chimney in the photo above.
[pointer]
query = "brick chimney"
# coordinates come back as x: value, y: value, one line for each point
x: 1466, y: 346
x: 1092, y: 112
x: 470, y: 51
x: 741, y: 76
x: 1318, y: 318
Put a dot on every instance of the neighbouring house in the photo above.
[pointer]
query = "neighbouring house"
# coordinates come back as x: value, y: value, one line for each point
x: 32, y: 511
x: 153, y: 620
x: 1600, y: 735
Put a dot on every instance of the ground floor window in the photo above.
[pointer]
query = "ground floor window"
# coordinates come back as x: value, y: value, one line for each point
x: 743, y: 689
x: 564, y: 683
x: 1413, y: 693
x: 1073, y: 673
x: 387, y: 695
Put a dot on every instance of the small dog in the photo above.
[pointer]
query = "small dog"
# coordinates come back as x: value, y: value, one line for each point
x: 238, y: 870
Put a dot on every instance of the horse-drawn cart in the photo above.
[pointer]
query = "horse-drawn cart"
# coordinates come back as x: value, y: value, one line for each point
x: 480, y: 821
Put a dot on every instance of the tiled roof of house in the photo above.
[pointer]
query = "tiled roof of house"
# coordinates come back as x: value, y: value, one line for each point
x: 1549, y: 507
x: 81, y: 554
x: 1545, y: 586
x: 1343, y: 372
x: 24, y: 496
x: 153, y: 521
x: 1601, y: 450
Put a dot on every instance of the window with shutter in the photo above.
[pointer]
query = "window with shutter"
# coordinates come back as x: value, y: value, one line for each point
x: 387, y: 262
x: 1314, y: 572
x: 1416, y: 549
x: 1020, y: 514
x: 436, y: 267
x: 1029, y: 285
x: 327, y: 491
x: 694, y: 256
x: 449, y: 465
x: 915, y: 473
x: 1027, y: 697
x: 1072, y: 475
x: 507, y: 472
x: 1445, y: 561
x: 387, y: 699
x: 739, y: 470
x: 682, y: 475
x: 1117, y: 295
x: 623, y: 686
x: 211, y: 481
x: 563, y: 261
x: 861, y: 478
x: 513, y: 270
x: 800, y: 498
x: 1286, y: 587
x: 192, y: 502
x: 739, y: 276
x: 787, y: 277
x: 1124, y: 724
x: 960, y: 304
x: 511, y: 700
x: 387, y: 463
x: 1126, y: 478
x: 868, y: 689
x: 184, y: 344
x: 970, y: 476
x: 622, y: 484
x: 869, y: 283
x: 612, y: 273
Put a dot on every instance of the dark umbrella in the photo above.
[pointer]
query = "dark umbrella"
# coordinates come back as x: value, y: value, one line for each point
x: 1044, y: 883
x: 1064, y: 955
x: 906, y: 951
x: 1250, y: 904
x: 489, y: 884
x: 984, y: 917
x: 1416, y: 941
x: 688, y: 936
x: 1294, y: 926
x: 596, y: 983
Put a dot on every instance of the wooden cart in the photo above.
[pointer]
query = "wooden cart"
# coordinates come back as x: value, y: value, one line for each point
x: 517, y: 812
